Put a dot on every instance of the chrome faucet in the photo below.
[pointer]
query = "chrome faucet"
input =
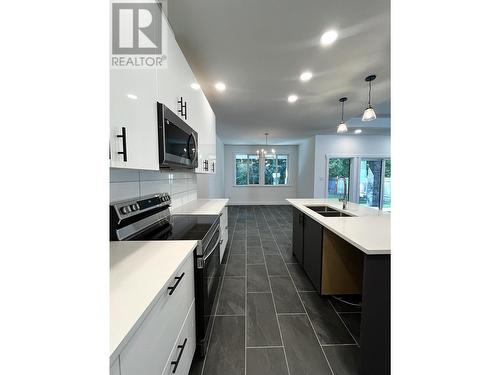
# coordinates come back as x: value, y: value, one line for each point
x: 346, y: 195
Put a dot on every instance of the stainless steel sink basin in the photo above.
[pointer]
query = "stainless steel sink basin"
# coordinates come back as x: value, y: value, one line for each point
x: 328, y: 211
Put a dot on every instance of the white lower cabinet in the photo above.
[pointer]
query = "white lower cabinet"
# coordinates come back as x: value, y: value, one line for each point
x: 149, y: 349
x: 184, y: 348
x: 224, y: 232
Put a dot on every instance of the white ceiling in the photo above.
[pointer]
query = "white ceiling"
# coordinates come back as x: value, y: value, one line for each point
x: 260, y: 47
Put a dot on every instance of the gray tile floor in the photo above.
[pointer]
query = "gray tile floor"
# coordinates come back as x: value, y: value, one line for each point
x: 269, y: 319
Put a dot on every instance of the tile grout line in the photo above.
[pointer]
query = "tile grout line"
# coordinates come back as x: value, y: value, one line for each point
x: 304, y: 307
x: 218, y: 299
x: 272, y: 296
x: 342, y: 320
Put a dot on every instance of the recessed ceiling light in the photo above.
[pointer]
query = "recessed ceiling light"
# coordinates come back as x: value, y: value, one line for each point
x: 306, y: 76
x: 358, y: 131
x: 328, y: 37
x: 220, y: 86
x: 195, y: 86
x: 292, y: 98
x: 132, y: 96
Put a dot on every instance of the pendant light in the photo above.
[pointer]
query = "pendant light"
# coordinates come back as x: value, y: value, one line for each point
x: 342, y: 127
x: 263, y: 151
x: 369, y: 113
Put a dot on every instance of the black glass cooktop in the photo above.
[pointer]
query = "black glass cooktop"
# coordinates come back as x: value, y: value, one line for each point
x: 179, y: 227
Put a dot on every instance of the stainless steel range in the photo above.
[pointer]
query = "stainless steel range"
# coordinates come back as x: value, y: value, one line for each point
x: 148, y: 219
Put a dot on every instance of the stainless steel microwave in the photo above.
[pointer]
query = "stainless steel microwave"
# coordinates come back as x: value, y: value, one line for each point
x: 178, y: 142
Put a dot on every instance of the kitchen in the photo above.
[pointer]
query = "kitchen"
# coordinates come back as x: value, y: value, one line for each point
x: 206, y: 187
x: 239, y: 249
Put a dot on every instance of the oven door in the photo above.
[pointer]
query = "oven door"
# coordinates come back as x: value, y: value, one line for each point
x: 178, y: 142
x: 208, y: 279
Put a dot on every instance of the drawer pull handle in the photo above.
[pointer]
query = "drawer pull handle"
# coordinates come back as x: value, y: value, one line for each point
x: 176, y: 362
x: 178, y: 280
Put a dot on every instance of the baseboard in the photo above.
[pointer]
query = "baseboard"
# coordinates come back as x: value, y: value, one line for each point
x: 258, y: 203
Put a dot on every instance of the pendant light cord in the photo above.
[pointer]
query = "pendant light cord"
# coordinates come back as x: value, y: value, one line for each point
x: 370, y: 94
x: 342, y: 111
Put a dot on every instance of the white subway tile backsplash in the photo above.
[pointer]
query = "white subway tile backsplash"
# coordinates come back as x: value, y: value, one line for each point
x: 123, y: 175
x: 152, y: 187
x: 120, y: 191
x: 128, y: 183
x: 155, y: 175
x: 179, y: 186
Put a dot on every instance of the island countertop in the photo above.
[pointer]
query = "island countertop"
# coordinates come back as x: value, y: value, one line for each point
x: 369, y: 229
x: 138, y: 272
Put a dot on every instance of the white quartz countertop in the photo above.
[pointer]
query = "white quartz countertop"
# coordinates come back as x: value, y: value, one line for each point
x: 369, y: 229
x: 201, y: 207
x: 138, y: 272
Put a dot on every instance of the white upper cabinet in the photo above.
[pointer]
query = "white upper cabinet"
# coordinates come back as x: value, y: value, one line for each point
x: 134, y: 94
x: 133, y: 128
x: 207, y: 136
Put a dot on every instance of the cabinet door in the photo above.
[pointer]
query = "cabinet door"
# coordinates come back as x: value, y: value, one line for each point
x: 207, y: 151
x: 149, y: 348
x: 133, y: 97
x: 175, y: 77
x: 298, y: 235
x: 183, y: 351
x: 313, y: 248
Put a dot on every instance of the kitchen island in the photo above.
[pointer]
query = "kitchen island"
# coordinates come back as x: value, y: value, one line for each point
x: 347, y: 251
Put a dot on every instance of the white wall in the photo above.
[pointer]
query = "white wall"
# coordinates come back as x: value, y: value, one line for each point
x: 260, y: 194
x: 131, y: 183
x: 305, y: 184
x: 212, y: 185
x: 345, y: 146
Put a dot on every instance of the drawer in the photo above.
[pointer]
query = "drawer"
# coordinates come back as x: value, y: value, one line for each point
x: 148, y: 350
x: 186, y: 338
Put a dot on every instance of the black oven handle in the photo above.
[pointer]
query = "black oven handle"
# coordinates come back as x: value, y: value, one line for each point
x: 205, y: 257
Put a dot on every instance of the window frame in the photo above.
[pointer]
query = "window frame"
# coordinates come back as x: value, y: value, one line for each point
x: 262, y: 169
x: 247, y: 164
x: 276, y: 168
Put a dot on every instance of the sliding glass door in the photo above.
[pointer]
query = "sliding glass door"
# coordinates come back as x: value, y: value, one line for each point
x: 386, y: 203
x: 370, y: 179
x: 338, y: 168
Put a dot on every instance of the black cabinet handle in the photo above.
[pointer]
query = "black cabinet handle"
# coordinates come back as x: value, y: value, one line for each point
x: 183, y: 108
x: 123, y: 136
x: 178, y: 280
x: 176, y: 362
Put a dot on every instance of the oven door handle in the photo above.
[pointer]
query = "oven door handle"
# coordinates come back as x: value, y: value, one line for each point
x: 205, y: 257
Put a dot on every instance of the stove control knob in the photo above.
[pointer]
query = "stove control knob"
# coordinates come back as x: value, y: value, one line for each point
x: 125, y: 210
x: 135, y: 207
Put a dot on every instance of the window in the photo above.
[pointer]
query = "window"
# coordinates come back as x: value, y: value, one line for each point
x: 337, y: 168
x: 276, y: 170
x: 246, y: 169
x: 250, y: 167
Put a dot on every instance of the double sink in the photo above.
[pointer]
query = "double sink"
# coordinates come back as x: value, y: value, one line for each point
x: 328, y: 211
